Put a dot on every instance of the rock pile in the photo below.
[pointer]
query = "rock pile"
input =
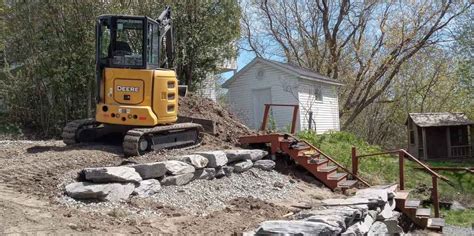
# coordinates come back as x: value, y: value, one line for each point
x: 118, y: 183
x: 369, y: 212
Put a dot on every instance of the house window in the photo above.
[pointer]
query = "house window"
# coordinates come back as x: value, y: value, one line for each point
x: 318, y: 94
x: 260, y: 73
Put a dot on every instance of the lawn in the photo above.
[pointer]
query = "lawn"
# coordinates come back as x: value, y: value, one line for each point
x: 384, y: 169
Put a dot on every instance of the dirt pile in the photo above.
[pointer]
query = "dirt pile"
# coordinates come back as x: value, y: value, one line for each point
x: 228, y: 127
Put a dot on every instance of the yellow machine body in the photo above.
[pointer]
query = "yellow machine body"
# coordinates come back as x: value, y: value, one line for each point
x: 138, y: 97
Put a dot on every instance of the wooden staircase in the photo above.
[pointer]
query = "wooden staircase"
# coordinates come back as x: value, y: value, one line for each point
x: 418, y: 215
x: 335, y: 176
x: 321, y: 166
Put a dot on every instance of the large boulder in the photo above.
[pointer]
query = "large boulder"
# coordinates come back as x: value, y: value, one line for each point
x: 234, y: 155
x: 242, y: 166
x: 147, y: 188
x: 220, y: 172
x: 150, y: 170
x: 178, y: 167
x: 296, y: 227
x: 374, y: 194
x: 197, y: 161
x: 101, y: 192
x: 216, y: 158
x: 177, y: 179
x: 341, y: 216
x: 264, y: 164
x: 228, y: 170
x: 206, y: 173
x: 112, y: 174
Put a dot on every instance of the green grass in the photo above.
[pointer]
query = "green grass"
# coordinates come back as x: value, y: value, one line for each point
x: 384, y: 169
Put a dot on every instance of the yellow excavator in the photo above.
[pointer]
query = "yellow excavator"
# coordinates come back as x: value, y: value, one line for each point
x: 137, y: 96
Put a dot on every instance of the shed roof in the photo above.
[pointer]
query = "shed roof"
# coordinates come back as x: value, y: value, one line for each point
x: 298, y: 71
x: 432, y: 119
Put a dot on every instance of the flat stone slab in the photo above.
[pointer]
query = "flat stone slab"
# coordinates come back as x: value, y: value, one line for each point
x: 378, y: 228
x: 264, y: 164
x: 296, y: 227
x: 177, y: 179
x: 234, y: 155
x: 147, y: 188
x: 360, y: 227
x: 195, y: 160
x: 150, y: 170
x: 112, y: 174
x: 102, y: 192
x: 178, y: 167
x: 380, y: 195
x: 215, y: 158
x: 242, y: 166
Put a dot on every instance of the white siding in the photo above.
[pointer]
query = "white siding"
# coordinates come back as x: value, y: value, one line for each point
x: 285, y: 89
x: 241, y: 97
x: 325, y: 112
x: 207, y: 87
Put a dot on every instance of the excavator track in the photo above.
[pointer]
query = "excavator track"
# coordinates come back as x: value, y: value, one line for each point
x: 71, y: 131
x: 138, y: 141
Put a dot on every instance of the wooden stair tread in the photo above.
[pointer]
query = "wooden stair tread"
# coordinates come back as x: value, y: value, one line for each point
x: 435, y: 223
x: 402, y: 194
x: 327, y: 169
x: 319, y: 161
x: 413, y: 203
x: 336, y: 176
x: 346, y: 183
x: 423, y: 212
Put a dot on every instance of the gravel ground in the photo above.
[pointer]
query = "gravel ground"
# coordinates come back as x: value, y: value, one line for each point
x: 456, y: 230
x: 203, y: 196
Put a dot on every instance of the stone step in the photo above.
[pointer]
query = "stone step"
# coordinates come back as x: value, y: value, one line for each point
x: 327, y: 169
x: 435, y: 223
x: 336, y: 176
x: 423, y: 212
x: 346, y: 183
x: 414, y: 203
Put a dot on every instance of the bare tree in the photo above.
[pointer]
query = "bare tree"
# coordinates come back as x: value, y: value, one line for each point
x: 363, y: 44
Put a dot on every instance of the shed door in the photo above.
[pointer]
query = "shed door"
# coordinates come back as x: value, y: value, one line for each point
x: 260, y: 97
x: 436, y: 142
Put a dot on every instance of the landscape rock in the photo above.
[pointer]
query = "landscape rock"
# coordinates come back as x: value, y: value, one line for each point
x: 361, y: 227
x: 102, y: 192
x: 150, y: 170
x: 386, y: 213
x: 242, y: 166
x: 228, y: 170
x: 178, y: 167
x: 112, y: 174
x: 215, y: 158
x: 393, y: 227
x: 264, y: 164
x: 379, y: 195
x: 378, y: 228
x: 296, y: 227
x: 177, y: 179
x: 206, y: 173
x: 234, y: 155
x: 147, y: 188
x: 220, y: 172
x: 197, y: 161
x: 341, y: 216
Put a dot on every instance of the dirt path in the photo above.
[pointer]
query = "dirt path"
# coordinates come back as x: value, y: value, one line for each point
x: 32, y: 175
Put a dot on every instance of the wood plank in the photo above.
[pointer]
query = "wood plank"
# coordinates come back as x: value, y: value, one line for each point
x: 423, y: 212
x: 412, y: 203
x: 402, y: 194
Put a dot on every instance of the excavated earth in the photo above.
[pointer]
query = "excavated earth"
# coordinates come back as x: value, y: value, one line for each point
x: 33, y: 175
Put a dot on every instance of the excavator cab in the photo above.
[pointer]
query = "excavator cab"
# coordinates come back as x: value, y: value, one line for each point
x: 137, y: 89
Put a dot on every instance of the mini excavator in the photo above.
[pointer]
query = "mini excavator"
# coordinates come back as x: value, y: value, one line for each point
x: 137, y: 89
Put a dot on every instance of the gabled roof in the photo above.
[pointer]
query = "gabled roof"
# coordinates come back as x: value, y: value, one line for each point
x: 297, y: 71
x: 433, y: 119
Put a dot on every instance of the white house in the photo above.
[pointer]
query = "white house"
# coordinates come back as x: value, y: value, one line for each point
x: 264, y: 81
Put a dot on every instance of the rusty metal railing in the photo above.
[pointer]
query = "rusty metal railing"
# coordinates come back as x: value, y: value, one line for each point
x: 267, y: 111
x: 402, y: 154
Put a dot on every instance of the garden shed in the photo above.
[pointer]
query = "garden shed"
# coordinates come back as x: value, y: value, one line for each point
x: 441, y: 135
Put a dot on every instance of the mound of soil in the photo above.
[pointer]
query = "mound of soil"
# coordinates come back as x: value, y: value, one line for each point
x: 228, y: 127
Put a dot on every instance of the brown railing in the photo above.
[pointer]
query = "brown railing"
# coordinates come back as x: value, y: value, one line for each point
x: 293, y: 121
x: 402, y: 154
